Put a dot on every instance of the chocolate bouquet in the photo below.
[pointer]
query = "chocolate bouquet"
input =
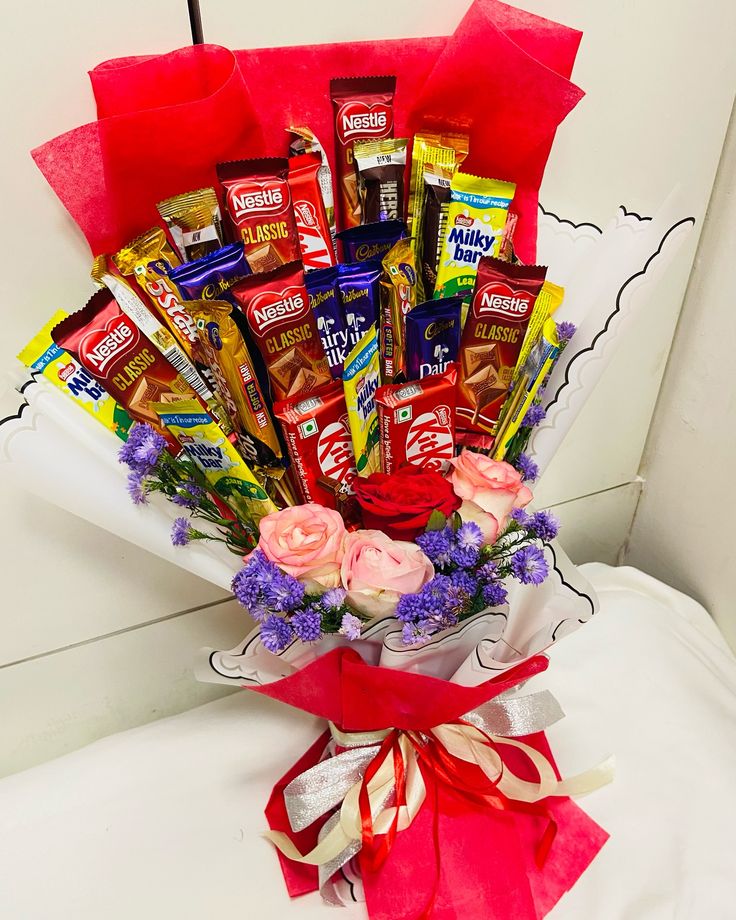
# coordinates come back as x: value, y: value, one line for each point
x: 321, y: 350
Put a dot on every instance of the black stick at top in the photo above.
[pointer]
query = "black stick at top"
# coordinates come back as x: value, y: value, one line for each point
x: 195, y: 20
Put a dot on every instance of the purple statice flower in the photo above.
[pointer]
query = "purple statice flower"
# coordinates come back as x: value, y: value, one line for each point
x: 188, y: 496
x: 529, y: 565
x: 494, y: 594
x: 520, y: 516
x: 565, y: 331
x: 127, y: 451
x: 488, y: 571
x: 283, y: 593
x: 436, y: 545
x: 246, y: 587
x: 464, y: 557
x: 181, y: 532
x: 527, y: 467
x: 307, y: 624
x: 276, y: 633
x: 414, y: 634
x: 135, y: 488
x: 544, y: 525
x: 409, y: 608
x: 469, y: 535
x: 534, y: 415
x: 460, y: 591
x: 334, y: 598
x: 350, y: 626
x: 143, y: 448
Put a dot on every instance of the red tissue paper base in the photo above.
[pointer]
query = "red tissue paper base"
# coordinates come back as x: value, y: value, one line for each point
x: 165, y: 121
x: 486, y: 857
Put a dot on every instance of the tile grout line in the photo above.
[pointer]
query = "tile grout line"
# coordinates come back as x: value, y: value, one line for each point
x: 110, y: 635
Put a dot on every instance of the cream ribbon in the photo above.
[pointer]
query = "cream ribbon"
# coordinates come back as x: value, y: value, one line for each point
x: 337, y: 781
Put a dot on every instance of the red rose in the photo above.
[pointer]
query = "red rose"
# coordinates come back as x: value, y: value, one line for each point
x: 400, y: 504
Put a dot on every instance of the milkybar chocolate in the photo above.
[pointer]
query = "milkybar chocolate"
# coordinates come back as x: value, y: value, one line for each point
x: 363, y: 109
x: 110, y: 346
x: 258, y: 203
x: 380, y: 166
x: 416, y: 422
x: 194, y: 222
x: 237, y: 384
x: 317, y: 435
x: 315, y: 241
x: 276, y: 307
x: 499, y: 315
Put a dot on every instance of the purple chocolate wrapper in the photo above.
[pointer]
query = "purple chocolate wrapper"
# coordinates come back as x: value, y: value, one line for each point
x: 432, y: 336
x: 321, y: 286
x: 210, y: 277
x: 370, y: 241
x: 359, y: 291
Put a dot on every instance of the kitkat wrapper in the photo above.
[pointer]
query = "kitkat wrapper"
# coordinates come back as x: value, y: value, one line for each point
x: 110, y: 173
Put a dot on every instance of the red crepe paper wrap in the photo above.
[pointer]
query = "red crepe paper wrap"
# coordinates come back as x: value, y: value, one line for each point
x: 457, y: 858
x: 164, y: 122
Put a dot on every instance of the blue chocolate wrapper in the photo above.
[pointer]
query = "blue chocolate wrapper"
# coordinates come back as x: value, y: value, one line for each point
x: 432, y: 336
x: 210, y: 277
x: 359, y: 292
x: 370, y: 242
x: 324, y: 300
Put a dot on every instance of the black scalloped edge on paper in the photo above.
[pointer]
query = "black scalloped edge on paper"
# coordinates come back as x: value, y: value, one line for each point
x: 617, y: 307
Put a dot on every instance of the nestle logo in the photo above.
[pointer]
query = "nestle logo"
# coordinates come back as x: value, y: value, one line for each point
x: 499, y: 300
x: 305, y: 213
x: 271, y: 308
x: 358, y: 119
x: 101, y: 346
x: 258, y: 198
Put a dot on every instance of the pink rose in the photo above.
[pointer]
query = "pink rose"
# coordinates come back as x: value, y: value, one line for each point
x: 493, y: 485
x: 377, y: 570
x: 307, y: 541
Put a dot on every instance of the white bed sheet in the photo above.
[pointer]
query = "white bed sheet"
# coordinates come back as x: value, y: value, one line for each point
x: 163, y: 821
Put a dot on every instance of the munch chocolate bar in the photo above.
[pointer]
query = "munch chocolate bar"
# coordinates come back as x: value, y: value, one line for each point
x: 194, y: 222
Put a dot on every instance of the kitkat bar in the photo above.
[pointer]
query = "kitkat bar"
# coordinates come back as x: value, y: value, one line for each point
x: 363, y: 109
x: 315, y: 241
x: 110, y: 347
x: 284, y: 329
x: 498, y: 318
x: 317, y: 435
x: 416, y: 422
x: 258, y: 203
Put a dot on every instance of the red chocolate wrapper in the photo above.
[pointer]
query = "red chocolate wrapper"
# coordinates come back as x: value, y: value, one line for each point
x: 503, y: 300
x: 109, y: 345
x: 363, y: 108
x: 315, y: 241
x: 416, y: 422
x: 276, y: 307
x: 318, y: 439
x: 258, y: 203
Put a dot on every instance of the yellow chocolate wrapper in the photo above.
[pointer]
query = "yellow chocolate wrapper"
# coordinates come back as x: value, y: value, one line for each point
x: 222, y: 466
x: 43, y: 356
x: 539, y: 362
x: 548, y: 300
x: 398, y: 297
x: 360, y: 380
x: 228, y: 358
x: 475, y: 223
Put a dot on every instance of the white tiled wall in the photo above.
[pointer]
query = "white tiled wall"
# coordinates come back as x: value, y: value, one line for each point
x: 95, y: 635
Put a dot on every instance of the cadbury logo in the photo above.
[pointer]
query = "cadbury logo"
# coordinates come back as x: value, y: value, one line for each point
x: 500, y: 300
x: 261, y: 199
x: 357, y: 119
x: 101, y: 346
x: 270, y: 308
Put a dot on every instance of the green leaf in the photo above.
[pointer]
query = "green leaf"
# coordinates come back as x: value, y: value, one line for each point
x: 437, y: 521
x: 456, y: 522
